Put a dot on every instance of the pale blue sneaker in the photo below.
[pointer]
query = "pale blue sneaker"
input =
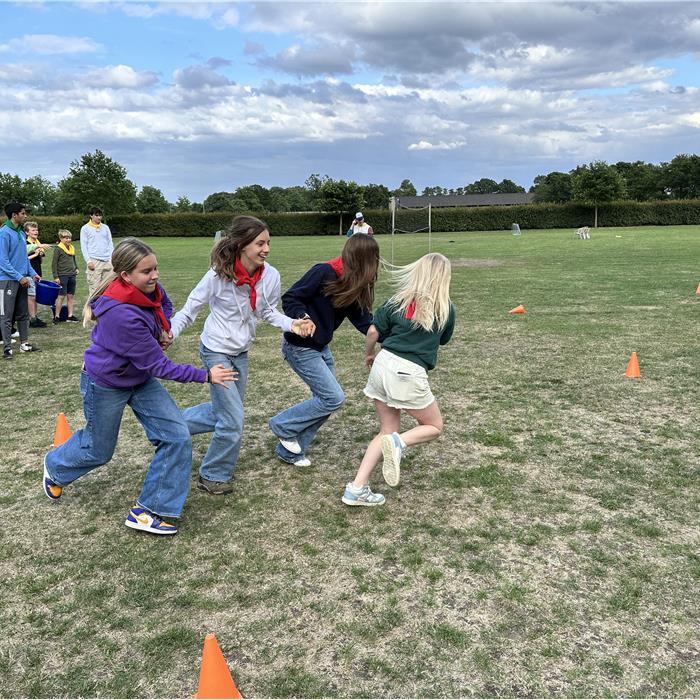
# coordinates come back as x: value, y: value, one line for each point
x: 362, y: 496
x: 391, y: 449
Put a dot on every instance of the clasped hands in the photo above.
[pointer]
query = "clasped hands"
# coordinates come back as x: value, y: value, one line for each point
x: 303, y: 327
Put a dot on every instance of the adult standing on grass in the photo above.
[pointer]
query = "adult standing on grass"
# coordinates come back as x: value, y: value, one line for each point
x: 15, y: 274
x: 240, y: 288
x: 36, y: 250
x: 122, y: 367
x: 359, y: 225
x: 97, y: 247
x: 411, y: 326
x: 328, y: 293
x: 65, y: 272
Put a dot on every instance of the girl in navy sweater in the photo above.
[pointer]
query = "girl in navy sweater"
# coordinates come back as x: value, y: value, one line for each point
x: 327, y: 294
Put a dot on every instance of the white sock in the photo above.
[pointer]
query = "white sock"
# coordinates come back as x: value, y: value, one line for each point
x: 401, y: 442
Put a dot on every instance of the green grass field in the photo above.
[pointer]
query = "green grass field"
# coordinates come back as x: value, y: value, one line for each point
x: 546, y: 545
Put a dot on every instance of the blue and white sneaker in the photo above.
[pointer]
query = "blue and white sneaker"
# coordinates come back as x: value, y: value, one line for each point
x: 362, y: 496
x: 51, y: 488
x: 142, y: 519
x: 391, y: 449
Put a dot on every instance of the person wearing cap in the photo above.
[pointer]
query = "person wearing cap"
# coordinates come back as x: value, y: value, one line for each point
x: 359, y: 225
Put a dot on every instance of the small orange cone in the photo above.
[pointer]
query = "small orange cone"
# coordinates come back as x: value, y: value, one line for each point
x: 63, y: 431
x: 632, y: 367
x: 697, y: 291
x: 519, y: 309
x: 214, y: 678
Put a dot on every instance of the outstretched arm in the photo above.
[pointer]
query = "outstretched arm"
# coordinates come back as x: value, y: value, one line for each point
x: 370, y: 344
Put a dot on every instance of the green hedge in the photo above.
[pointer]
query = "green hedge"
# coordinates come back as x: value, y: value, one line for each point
x: 529, y: 216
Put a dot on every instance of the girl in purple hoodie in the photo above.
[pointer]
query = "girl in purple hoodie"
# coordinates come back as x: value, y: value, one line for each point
x: 131, y: 313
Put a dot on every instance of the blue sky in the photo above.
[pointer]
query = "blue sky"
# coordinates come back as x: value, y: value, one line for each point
x: 200, y: 97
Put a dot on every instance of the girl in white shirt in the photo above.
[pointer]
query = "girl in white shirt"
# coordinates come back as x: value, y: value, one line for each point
x: 240, y: 288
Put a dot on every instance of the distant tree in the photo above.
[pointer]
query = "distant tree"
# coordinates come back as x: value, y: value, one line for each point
x: 376, y: 196
x: 37, y: 193
x: 681, y: 177
x: 597, y: 183
x: 277, y: 200
x: 435, y: 191
x: 255, y: 197
x: 508, y: 187
x: 197, y: 207
x: 10, y: 188
x: 96, y: 180
x: 299, y: 199
x: 483, y: 186
x: 313, y: 184
x: 218, y: 201
x: 556, y: 187
x: 405, y: 189
x: 340, y: 195
x: 642, y: 180
x: 182, y: 204
x: 150, y: 200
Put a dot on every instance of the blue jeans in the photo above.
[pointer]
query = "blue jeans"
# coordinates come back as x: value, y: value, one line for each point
x: 167, y: 480
x: 302, y: 421
x: 223, y: 416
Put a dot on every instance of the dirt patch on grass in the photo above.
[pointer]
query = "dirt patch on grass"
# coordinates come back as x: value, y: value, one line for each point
x: 476, y: 262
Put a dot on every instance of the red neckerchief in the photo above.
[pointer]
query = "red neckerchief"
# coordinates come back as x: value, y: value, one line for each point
x: 242, y: 277
x: 128, y: 294
x: 411, y: 309
x: 337, y: 265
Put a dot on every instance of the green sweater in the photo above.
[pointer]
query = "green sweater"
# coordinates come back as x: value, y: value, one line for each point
x: 62, y: 263
x: 399, y: 336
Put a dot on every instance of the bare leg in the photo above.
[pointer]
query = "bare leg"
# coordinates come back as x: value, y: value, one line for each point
x: 58, y: 305
x: 429, y: 427
x: 70, y: 300
x: 389, y: 422
x: 32, y: 307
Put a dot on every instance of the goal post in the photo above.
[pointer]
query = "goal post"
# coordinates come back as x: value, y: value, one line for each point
x: 410, y: 220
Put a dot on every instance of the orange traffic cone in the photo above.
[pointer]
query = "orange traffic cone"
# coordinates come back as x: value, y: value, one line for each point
x: 632, y: 367
x: 519, y: 309
x: 214, y: 678
x: 697, y: 291
x: 63, y: 431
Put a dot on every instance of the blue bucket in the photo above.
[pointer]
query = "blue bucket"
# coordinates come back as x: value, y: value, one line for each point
x: 46, y: 292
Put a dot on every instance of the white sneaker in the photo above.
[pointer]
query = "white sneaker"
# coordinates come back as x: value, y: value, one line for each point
x: 291, y: 445
x: 15, y: 335
x: 391, y: 450
x: 303, y: 462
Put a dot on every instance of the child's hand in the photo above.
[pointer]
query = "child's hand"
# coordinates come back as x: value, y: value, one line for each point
x: 166, y: 339
x: 303, y: 327
x: 369, y: 360
x: 57, y: 280
x: 220, y: 374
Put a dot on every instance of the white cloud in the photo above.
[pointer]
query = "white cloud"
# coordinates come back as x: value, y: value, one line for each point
x: 120, y: 76
x: 50, y: 45
x: 423, y: 145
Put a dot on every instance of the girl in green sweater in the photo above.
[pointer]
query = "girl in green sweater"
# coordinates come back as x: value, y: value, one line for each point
x: 410, y: 326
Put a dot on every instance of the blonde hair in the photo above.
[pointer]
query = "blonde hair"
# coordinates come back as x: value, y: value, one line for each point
x: 62, y: 232
x: 125, y: 258
x: 427, y: 282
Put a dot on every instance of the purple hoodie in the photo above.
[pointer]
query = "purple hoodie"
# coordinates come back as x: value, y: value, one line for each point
x: 125, y: 351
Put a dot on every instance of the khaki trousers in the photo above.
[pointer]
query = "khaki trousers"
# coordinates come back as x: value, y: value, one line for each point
x: 97, y: 277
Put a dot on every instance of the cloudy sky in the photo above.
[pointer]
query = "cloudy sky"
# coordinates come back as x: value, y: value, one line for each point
x: 198, y: 97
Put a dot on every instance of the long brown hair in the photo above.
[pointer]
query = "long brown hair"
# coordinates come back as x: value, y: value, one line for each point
x: 242, y: 231
x: 360, y: 265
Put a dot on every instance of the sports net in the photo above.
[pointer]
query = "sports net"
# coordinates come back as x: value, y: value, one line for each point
x: 410, y: 220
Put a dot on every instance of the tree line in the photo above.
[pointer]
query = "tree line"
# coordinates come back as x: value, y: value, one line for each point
x: 95, y: 179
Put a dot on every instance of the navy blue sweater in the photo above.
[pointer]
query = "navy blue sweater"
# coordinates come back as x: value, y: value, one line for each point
x: 306, y: 297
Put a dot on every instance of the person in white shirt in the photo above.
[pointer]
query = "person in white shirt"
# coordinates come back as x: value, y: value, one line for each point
x: 359, y: 225
x: 240, y: 289
x: 97, y: 248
